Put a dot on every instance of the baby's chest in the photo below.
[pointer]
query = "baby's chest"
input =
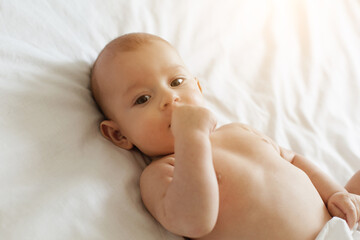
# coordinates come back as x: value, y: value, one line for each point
x: 237, y: 143
x: 243, y: 159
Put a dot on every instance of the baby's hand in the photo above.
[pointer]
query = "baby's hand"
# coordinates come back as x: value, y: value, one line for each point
x: 346, y: 206
x: 189, y: 118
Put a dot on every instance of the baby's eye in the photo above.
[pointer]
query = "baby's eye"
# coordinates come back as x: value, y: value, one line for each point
x: 142, y: 99
x: 176, y: 82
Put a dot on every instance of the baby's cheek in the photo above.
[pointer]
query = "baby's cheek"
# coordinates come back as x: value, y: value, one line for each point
x: 152, y: 127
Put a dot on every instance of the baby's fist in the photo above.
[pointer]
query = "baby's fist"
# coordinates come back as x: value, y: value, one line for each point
x: 346, y: 206
x: 192, y: 118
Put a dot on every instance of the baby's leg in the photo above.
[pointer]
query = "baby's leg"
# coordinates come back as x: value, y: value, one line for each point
x: 353, y: 185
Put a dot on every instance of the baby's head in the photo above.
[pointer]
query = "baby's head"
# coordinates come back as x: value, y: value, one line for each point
x: 136, y: 81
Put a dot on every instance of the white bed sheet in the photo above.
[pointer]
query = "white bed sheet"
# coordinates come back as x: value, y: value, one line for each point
x: 288, y: 68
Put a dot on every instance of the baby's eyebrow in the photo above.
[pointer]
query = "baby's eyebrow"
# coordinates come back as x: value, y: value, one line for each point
x: 176, y: 67
x: 130, y: 88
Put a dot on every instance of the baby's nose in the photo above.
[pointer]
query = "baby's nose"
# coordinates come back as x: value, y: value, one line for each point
x: 169, y: 101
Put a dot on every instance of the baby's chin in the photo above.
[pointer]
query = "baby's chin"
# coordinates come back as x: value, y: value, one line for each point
x: 158, y: 155
x: 159, y: 152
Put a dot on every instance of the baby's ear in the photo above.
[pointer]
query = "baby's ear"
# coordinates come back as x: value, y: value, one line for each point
x: 111, y: 132
x: 198, y: 83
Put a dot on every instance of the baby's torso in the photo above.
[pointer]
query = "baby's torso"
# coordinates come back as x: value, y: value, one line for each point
x: 262, y: 196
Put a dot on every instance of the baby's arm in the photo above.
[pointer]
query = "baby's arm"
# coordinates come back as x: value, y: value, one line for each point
x: 185, y: 198
x: 339, y: 202
x: 325, y: 185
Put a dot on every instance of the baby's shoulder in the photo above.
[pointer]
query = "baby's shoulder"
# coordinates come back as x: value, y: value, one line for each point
x: 163, y: 160
x: 155, y: 180
x: 163, y: 166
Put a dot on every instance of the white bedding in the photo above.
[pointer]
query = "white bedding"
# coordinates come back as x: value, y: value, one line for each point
x: 337, y: 229
x: 290, y: 68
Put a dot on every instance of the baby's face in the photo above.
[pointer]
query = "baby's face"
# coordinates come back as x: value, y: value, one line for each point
x: 142, y: 88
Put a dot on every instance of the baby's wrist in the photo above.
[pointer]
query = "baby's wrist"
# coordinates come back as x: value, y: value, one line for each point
x: 192, y: 133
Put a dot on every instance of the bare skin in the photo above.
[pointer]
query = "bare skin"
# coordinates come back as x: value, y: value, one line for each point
x: 206, y: 182
x: 353, y: 184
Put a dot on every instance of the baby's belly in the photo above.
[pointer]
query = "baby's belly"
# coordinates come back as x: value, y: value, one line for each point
x: 269, y: 199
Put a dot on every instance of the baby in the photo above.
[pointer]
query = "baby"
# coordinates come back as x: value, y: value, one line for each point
x: 204, y: 182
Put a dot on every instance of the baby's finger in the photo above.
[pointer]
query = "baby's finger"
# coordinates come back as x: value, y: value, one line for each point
x: 335, y: 211
x: 356, y: 201
x: 351, y: 217
x: 348, y: 208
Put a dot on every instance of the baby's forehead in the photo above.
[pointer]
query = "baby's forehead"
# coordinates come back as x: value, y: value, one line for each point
x: 132, y: 42
x: 117, y: 51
